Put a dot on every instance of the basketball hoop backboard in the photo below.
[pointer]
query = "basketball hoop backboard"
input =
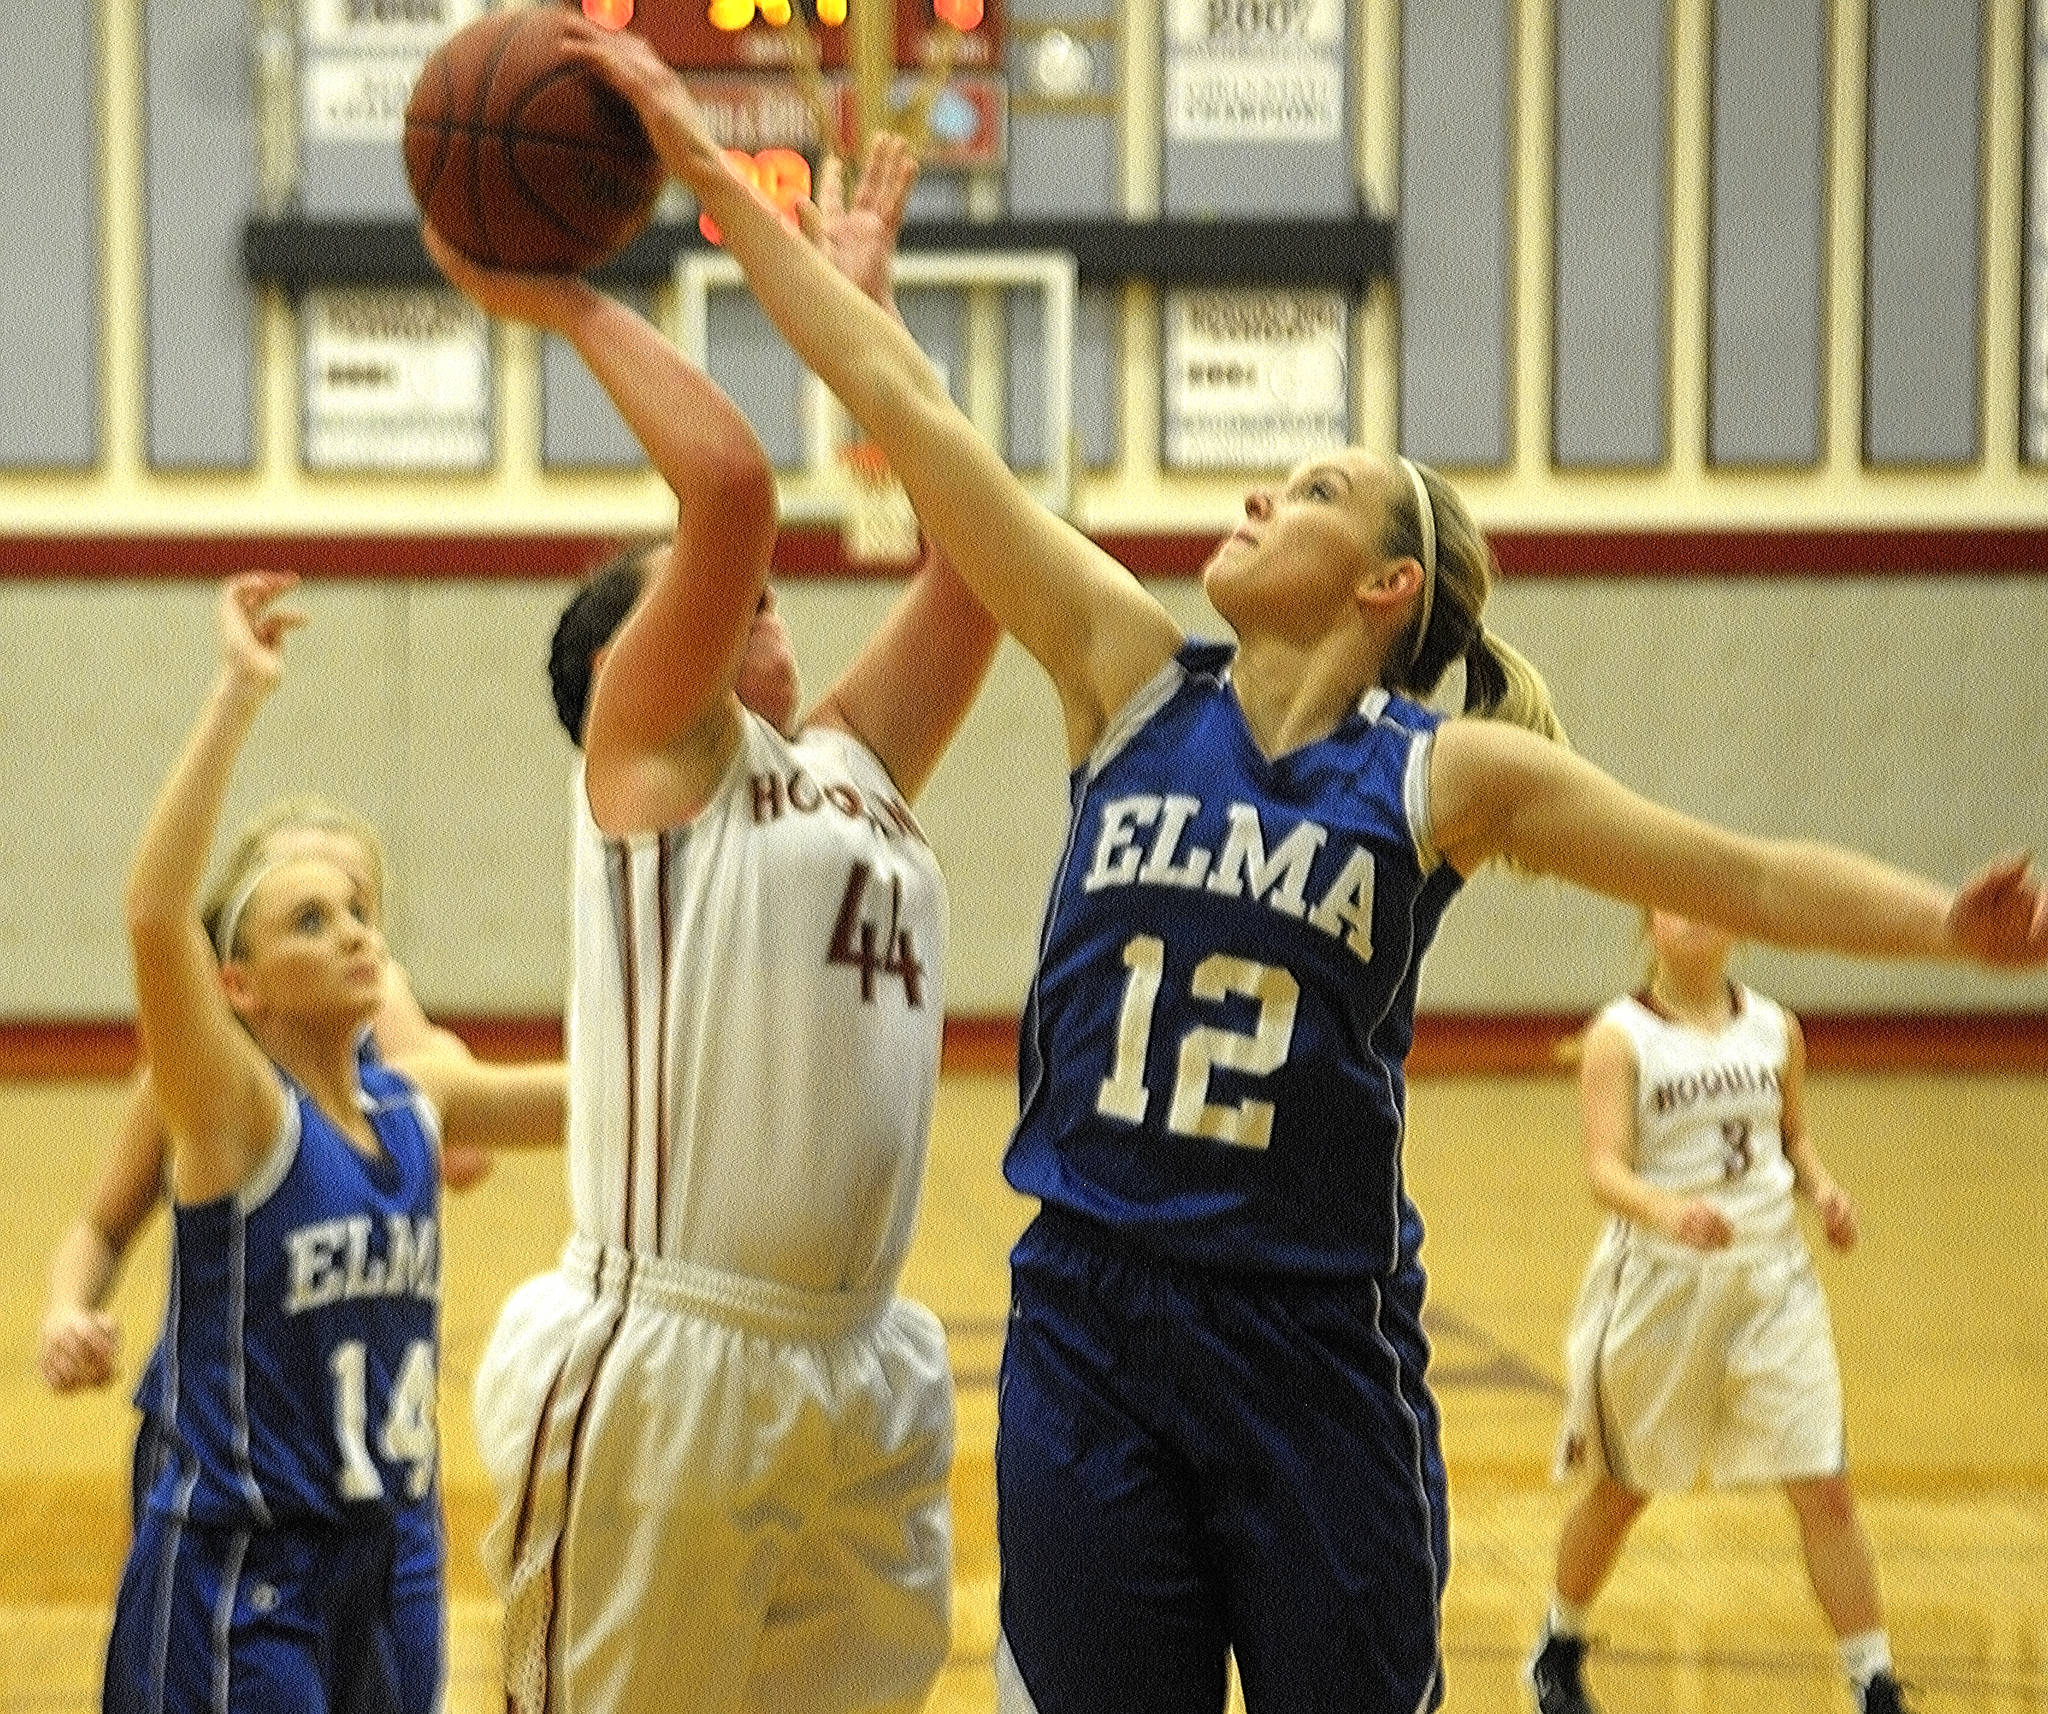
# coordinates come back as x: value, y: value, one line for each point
x: 822, y: 490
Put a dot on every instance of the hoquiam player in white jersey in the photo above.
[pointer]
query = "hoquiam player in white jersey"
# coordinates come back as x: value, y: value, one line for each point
x: 721, y: 1440
x: 1700, y: 1344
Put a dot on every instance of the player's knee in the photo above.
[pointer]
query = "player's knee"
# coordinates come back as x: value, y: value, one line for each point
x: 1825, y: 1503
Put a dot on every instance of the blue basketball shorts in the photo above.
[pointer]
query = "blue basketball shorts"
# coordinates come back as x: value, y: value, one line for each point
x: 241, y: 1621
x: 1192, y: 1466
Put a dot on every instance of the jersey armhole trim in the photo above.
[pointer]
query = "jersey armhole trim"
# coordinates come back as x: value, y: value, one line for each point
x: 1415, y: 801
x: 262, y: 1184
x: 1139, y: 707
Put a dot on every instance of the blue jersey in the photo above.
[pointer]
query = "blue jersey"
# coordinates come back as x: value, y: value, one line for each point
x: 300, y: 1342
x: 1211, y: 1056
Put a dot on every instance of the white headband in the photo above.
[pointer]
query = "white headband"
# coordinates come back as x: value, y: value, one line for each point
x: 1425, y: 514
x: 231, y: 916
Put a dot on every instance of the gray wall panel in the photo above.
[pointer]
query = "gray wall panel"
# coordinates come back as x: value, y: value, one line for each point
x: 49, y: 201
x: 1455, y: 291
x: 201, y: 186
x: 1024, y: 380
x: 1765, y: 318
x: 1923, y: 238
x: 1061, y: 62
x: 1610, y: 366
x: 580, y: 427
x: 1098, y: 361
x: 760, y: 373
x: 1063, y: 159
x: 1061, y: 164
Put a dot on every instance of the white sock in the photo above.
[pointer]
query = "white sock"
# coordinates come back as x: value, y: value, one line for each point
x: 1567, y: 1618
x: 1865, y: 1655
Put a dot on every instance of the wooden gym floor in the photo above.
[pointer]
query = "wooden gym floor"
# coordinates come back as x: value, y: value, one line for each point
x: 1942, y: 1318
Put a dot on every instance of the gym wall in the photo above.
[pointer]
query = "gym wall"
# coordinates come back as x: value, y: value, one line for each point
x: 1721, y: 314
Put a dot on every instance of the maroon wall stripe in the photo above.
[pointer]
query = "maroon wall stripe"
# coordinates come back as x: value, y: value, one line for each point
x: 812, y: 551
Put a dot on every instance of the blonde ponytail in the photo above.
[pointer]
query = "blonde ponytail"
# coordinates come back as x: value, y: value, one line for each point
x: 1501, y: 683
x: 1430, y: 524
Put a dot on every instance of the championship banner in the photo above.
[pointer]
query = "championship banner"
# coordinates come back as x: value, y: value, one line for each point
x: 395, y: 381
x: 1254, y: 71
x: 1254, y: 381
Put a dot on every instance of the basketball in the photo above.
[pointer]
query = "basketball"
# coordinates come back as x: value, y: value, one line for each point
x: 521, y: 158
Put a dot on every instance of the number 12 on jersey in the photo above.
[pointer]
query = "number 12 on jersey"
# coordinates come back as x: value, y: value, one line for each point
x: 1257, y: 1052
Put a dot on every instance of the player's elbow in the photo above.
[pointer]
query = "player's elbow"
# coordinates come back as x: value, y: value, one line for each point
x: 740, y: 483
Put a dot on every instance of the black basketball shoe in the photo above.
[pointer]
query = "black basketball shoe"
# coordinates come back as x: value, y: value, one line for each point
x: 1554, y: 1676
x: 1882, y: 1695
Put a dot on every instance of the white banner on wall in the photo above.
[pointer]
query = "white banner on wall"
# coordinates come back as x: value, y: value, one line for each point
x: 395, y: 381
x: 358, y: 60
x: 2034, y: 335
x: 1254, y: 71
x: 1254, y: 380
x: 385, y: 26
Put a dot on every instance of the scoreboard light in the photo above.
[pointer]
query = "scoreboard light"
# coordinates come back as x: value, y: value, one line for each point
x: 719, y: 36
x: 779, y: 177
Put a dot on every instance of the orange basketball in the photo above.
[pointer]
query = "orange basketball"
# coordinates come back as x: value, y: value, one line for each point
x: 520, y: 157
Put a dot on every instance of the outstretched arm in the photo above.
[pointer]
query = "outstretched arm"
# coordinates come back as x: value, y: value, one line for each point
x: 1086, y: 620
x: 910, y: 687
x: 403, y: 1031
x: 218, y: 1095
x: 663, y: 714
x: 1498, y: 791
x: 490, y: 1106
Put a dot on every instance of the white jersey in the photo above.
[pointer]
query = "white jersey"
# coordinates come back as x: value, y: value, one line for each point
x: 755, y: 1021
x: 1678, y: 1361
x: 1708, y: 1111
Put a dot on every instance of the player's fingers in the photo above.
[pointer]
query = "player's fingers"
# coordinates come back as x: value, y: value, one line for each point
x: 887, y: 176
x: 831, y: 190
x: 900, y: 169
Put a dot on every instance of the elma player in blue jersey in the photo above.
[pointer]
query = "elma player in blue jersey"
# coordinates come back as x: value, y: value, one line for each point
x: 300, y: 1347
x: 80, y: 1338
x: 1214, y: 1436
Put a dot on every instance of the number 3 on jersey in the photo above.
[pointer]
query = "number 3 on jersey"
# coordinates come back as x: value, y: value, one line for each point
x: 875, y: 950
x: 1257, y: 1052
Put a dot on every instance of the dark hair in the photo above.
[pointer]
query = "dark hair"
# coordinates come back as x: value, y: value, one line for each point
x: 587, y: 624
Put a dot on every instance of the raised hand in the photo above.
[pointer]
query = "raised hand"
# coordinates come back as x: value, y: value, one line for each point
x: 543, y: 300
x: 674, y: 123
x: 860, y: 239
x: 252, y: 631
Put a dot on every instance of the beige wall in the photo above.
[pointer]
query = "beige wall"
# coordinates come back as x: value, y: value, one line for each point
x: 1903, y: 714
